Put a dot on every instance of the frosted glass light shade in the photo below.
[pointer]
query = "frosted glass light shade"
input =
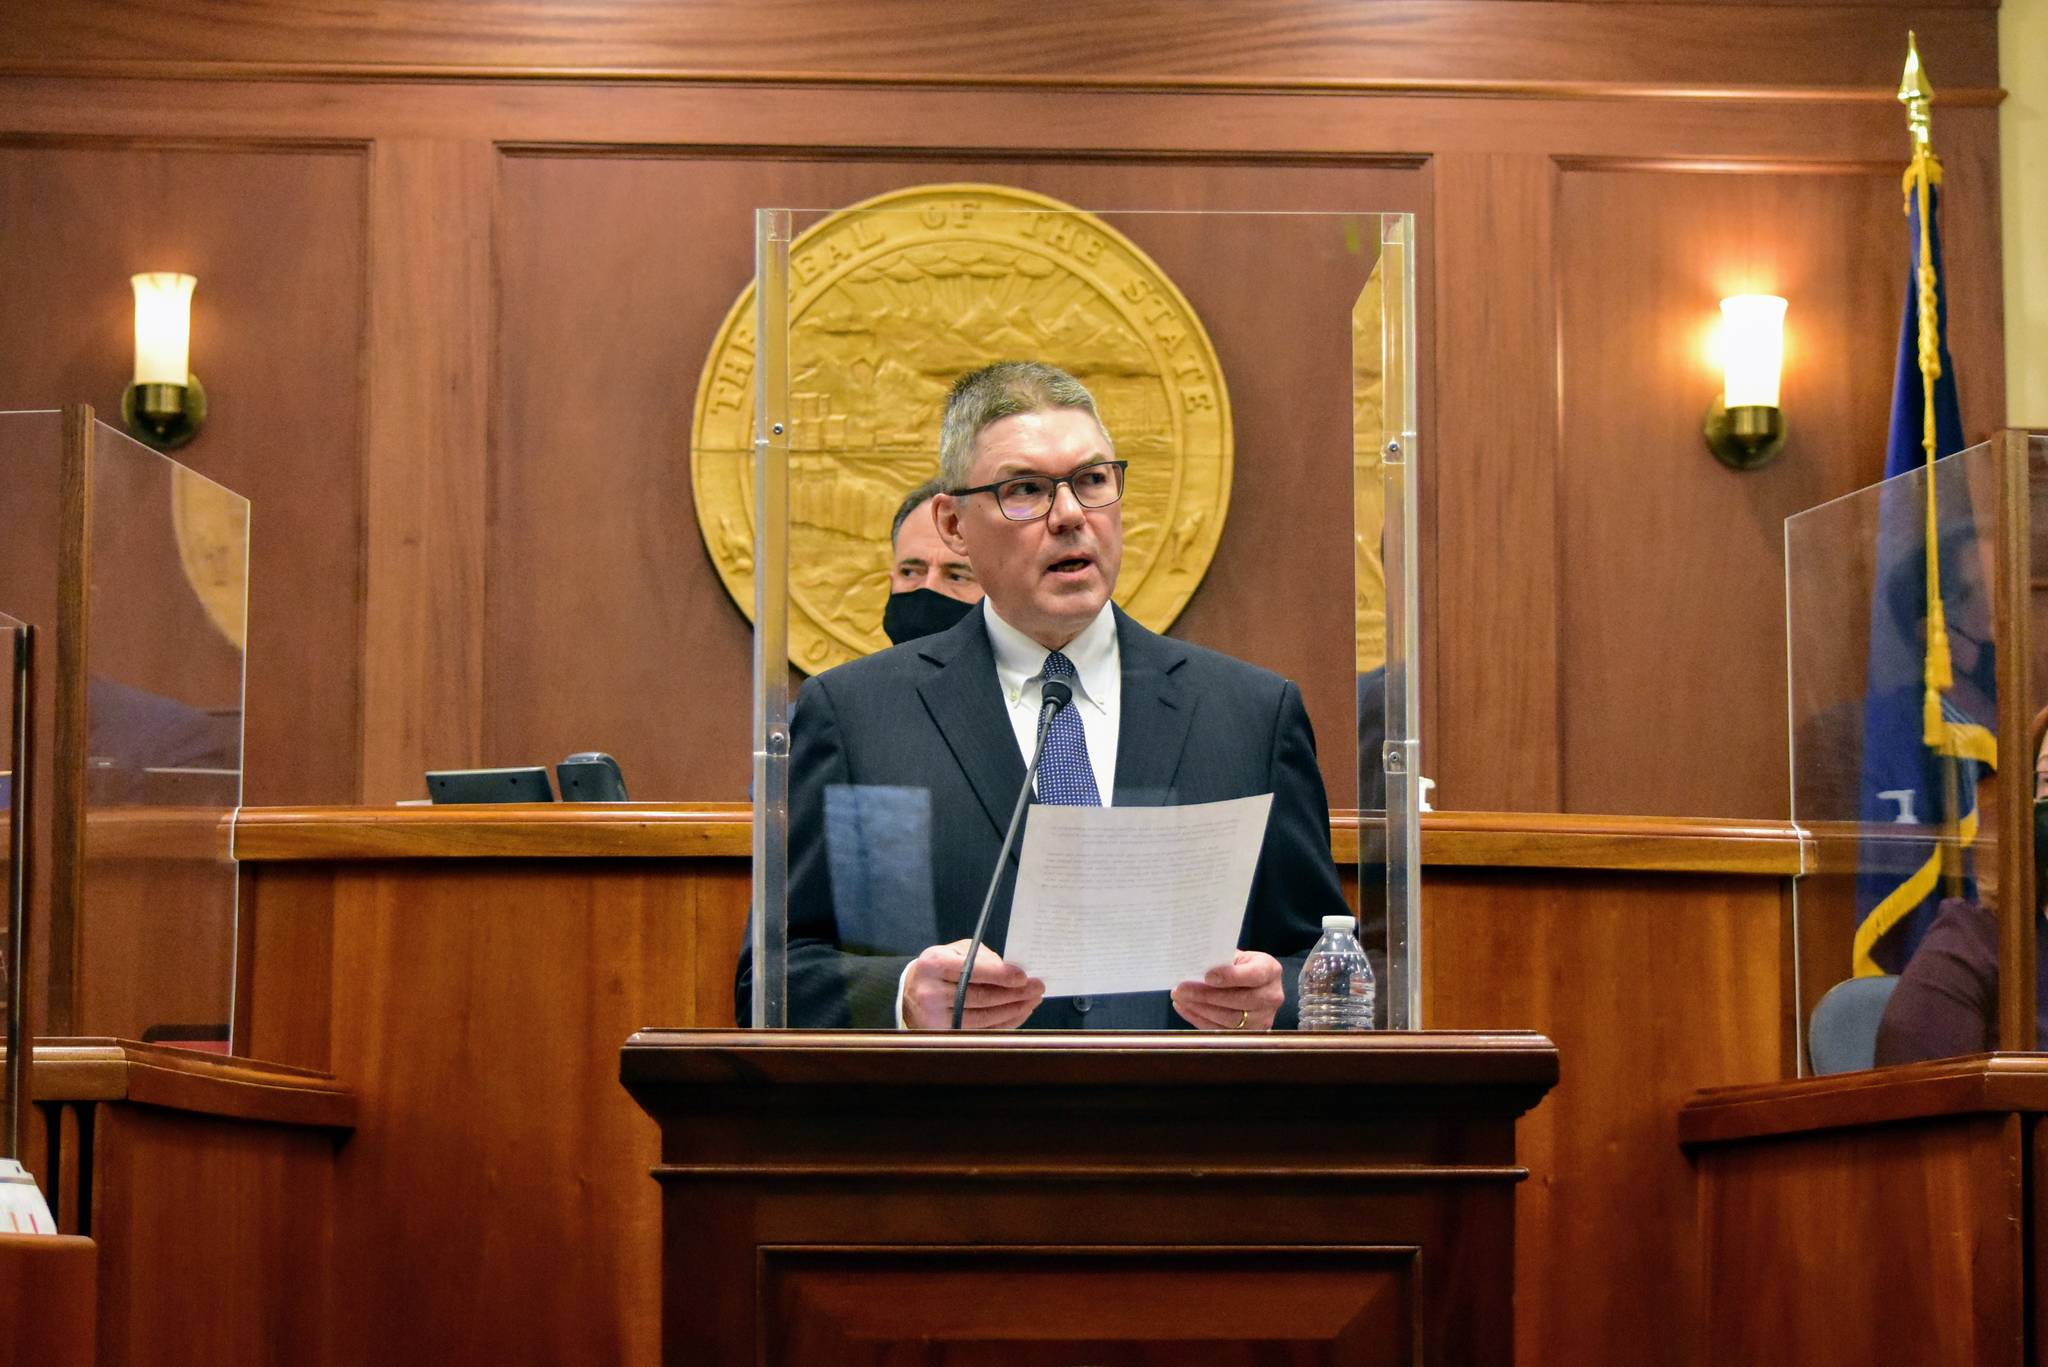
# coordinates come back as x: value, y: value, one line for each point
x: 1752, y: 349
x: 163, y: 326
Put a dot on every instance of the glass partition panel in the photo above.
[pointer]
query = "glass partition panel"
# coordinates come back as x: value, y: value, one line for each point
x: 31, y: 458
x: 1894, y: 757
x: 2032, y: 650
x: 1212, y: 429
x: 166, y: 624
x: 15, y: 646
x: 1384, y: 514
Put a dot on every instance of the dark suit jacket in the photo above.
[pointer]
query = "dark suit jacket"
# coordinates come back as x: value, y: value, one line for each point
x: 1195, y: 726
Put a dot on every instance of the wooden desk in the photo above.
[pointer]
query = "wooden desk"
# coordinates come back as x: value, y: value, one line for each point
x: 1896, y: 1216
x: 833, y: 1199
x: 472, y: 972
x: 49, y: 1300
x: 206, y: 1185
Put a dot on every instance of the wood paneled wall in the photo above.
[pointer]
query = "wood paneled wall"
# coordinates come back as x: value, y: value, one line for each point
x: 275, y: 232
x: 459, y: 265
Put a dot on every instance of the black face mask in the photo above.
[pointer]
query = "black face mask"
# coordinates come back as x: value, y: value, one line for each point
x: 2040, y: 846
x: 921, y: 612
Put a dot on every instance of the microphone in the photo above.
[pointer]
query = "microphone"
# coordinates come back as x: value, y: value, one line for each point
x: 1056, y: 695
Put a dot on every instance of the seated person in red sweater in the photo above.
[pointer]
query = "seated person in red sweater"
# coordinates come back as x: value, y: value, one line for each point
x: 1946, y: 1003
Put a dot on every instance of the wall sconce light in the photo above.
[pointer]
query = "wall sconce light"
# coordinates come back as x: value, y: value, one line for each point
x: 166, y: 406
x: 1745, y: 428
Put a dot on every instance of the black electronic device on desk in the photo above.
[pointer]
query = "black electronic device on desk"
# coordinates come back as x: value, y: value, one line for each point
x: 525, y: 784
x: 592, y: 776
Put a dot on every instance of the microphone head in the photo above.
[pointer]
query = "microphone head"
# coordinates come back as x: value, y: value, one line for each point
x: 1056, y: 695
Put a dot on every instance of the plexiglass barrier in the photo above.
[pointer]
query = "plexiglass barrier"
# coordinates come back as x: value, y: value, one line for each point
x: 16, y: 647
x: 134, y: 568
x: 1209, y: 425
x: 166, y: 626
x: 31, y: 459
x: 1900, y: 765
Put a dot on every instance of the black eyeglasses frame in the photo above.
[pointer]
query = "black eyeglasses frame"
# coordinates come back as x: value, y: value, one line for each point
x: 1120, y: 466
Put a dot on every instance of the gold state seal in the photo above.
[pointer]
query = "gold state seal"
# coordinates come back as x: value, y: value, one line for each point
x: 894, y: 299
x: 212, y: 530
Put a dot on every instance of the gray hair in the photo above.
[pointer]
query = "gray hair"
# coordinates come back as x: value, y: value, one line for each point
x: 1003, y: 390
x: 912, y: 501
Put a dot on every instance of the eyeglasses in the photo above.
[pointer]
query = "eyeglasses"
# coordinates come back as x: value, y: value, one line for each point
x: 1026, y: 498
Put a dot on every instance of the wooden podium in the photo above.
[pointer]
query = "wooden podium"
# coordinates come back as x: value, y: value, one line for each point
x: 851, y: 1198
x: 1898, y: 1215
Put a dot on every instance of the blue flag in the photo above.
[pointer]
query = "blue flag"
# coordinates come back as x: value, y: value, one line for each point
x: 1930, y: 694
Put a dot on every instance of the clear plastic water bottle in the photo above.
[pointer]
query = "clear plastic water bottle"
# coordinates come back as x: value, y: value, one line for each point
x: 1337, y: 988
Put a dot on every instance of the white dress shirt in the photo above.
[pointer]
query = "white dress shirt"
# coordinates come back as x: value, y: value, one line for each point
x: 1098, y: 687
x: 1098, y: 696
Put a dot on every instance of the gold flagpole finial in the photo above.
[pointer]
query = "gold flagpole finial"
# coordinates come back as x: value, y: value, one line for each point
x: 1916, y: 94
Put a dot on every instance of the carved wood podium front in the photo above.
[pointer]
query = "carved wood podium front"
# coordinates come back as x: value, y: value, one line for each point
x: 1045, y: 1200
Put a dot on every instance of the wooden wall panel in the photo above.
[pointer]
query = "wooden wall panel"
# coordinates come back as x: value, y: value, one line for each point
x: 1652, y: 986
x: 1695, y: 647
x: 1491, y: 611
x: 1548, y: 446
x: 275, y: 235
x: 480, y: 1010
x: 31, y: 445
x: 425, y: 454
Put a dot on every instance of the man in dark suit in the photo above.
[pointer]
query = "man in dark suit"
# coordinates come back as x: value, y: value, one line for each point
x: 1033, y: 501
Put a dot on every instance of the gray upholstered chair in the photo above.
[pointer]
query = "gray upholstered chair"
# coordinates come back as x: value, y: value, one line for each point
x: 1842, y: 1036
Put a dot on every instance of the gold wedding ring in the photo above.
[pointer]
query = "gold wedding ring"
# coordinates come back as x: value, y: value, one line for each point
x: 1242, y: 1017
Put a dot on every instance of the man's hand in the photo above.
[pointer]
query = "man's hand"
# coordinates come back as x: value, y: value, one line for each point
x: 1244, y: 994
x: 999, y: 996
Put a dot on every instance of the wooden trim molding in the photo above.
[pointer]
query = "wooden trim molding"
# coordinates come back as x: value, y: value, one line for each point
x: 725, y: 830
x: 154, y: 832
x: 1157, y: 1061
x: 671, y: 149
x: 1320, y: 45
x: 513, y: 830
x: 1979, y: 1084
x: 143, y: 69
x: 998, y: 122
x: 185, y: 1080
x: 1622, y: 843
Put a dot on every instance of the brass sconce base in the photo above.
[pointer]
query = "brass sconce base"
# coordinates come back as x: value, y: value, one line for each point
x: 164, y: 416
x: 1745, y: 438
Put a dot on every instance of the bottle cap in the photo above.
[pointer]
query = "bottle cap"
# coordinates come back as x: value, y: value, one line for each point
x: 1340, y: 923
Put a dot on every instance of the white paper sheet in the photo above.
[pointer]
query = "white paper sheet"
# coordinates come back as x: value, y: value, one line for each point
x: 1133, y: 899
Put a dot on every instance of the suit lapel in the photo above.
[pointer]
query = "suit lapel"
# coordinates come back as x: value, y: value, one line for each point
x: 966, y: 704
x: 1156, y: 710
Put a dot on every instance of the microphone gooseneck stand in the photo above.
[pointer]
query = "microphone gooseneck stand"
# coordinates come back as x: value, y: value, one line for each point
x: 1057, y: 695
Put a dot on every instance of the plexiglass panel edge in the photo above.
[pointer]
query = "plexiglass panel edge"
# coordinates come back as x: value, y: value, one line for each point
x: 1403, y: 730
x: 17, y: 645
x: 772, y: 230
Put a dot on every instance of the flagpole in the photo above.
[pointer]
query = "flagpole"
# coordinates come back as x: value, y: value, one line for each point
x: 1929, y: 759
x: 1923, y: 173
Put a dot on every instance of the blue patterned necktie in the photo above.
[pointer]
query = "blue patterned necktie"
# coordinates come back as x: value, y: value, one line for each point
x: 1065, y: 777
